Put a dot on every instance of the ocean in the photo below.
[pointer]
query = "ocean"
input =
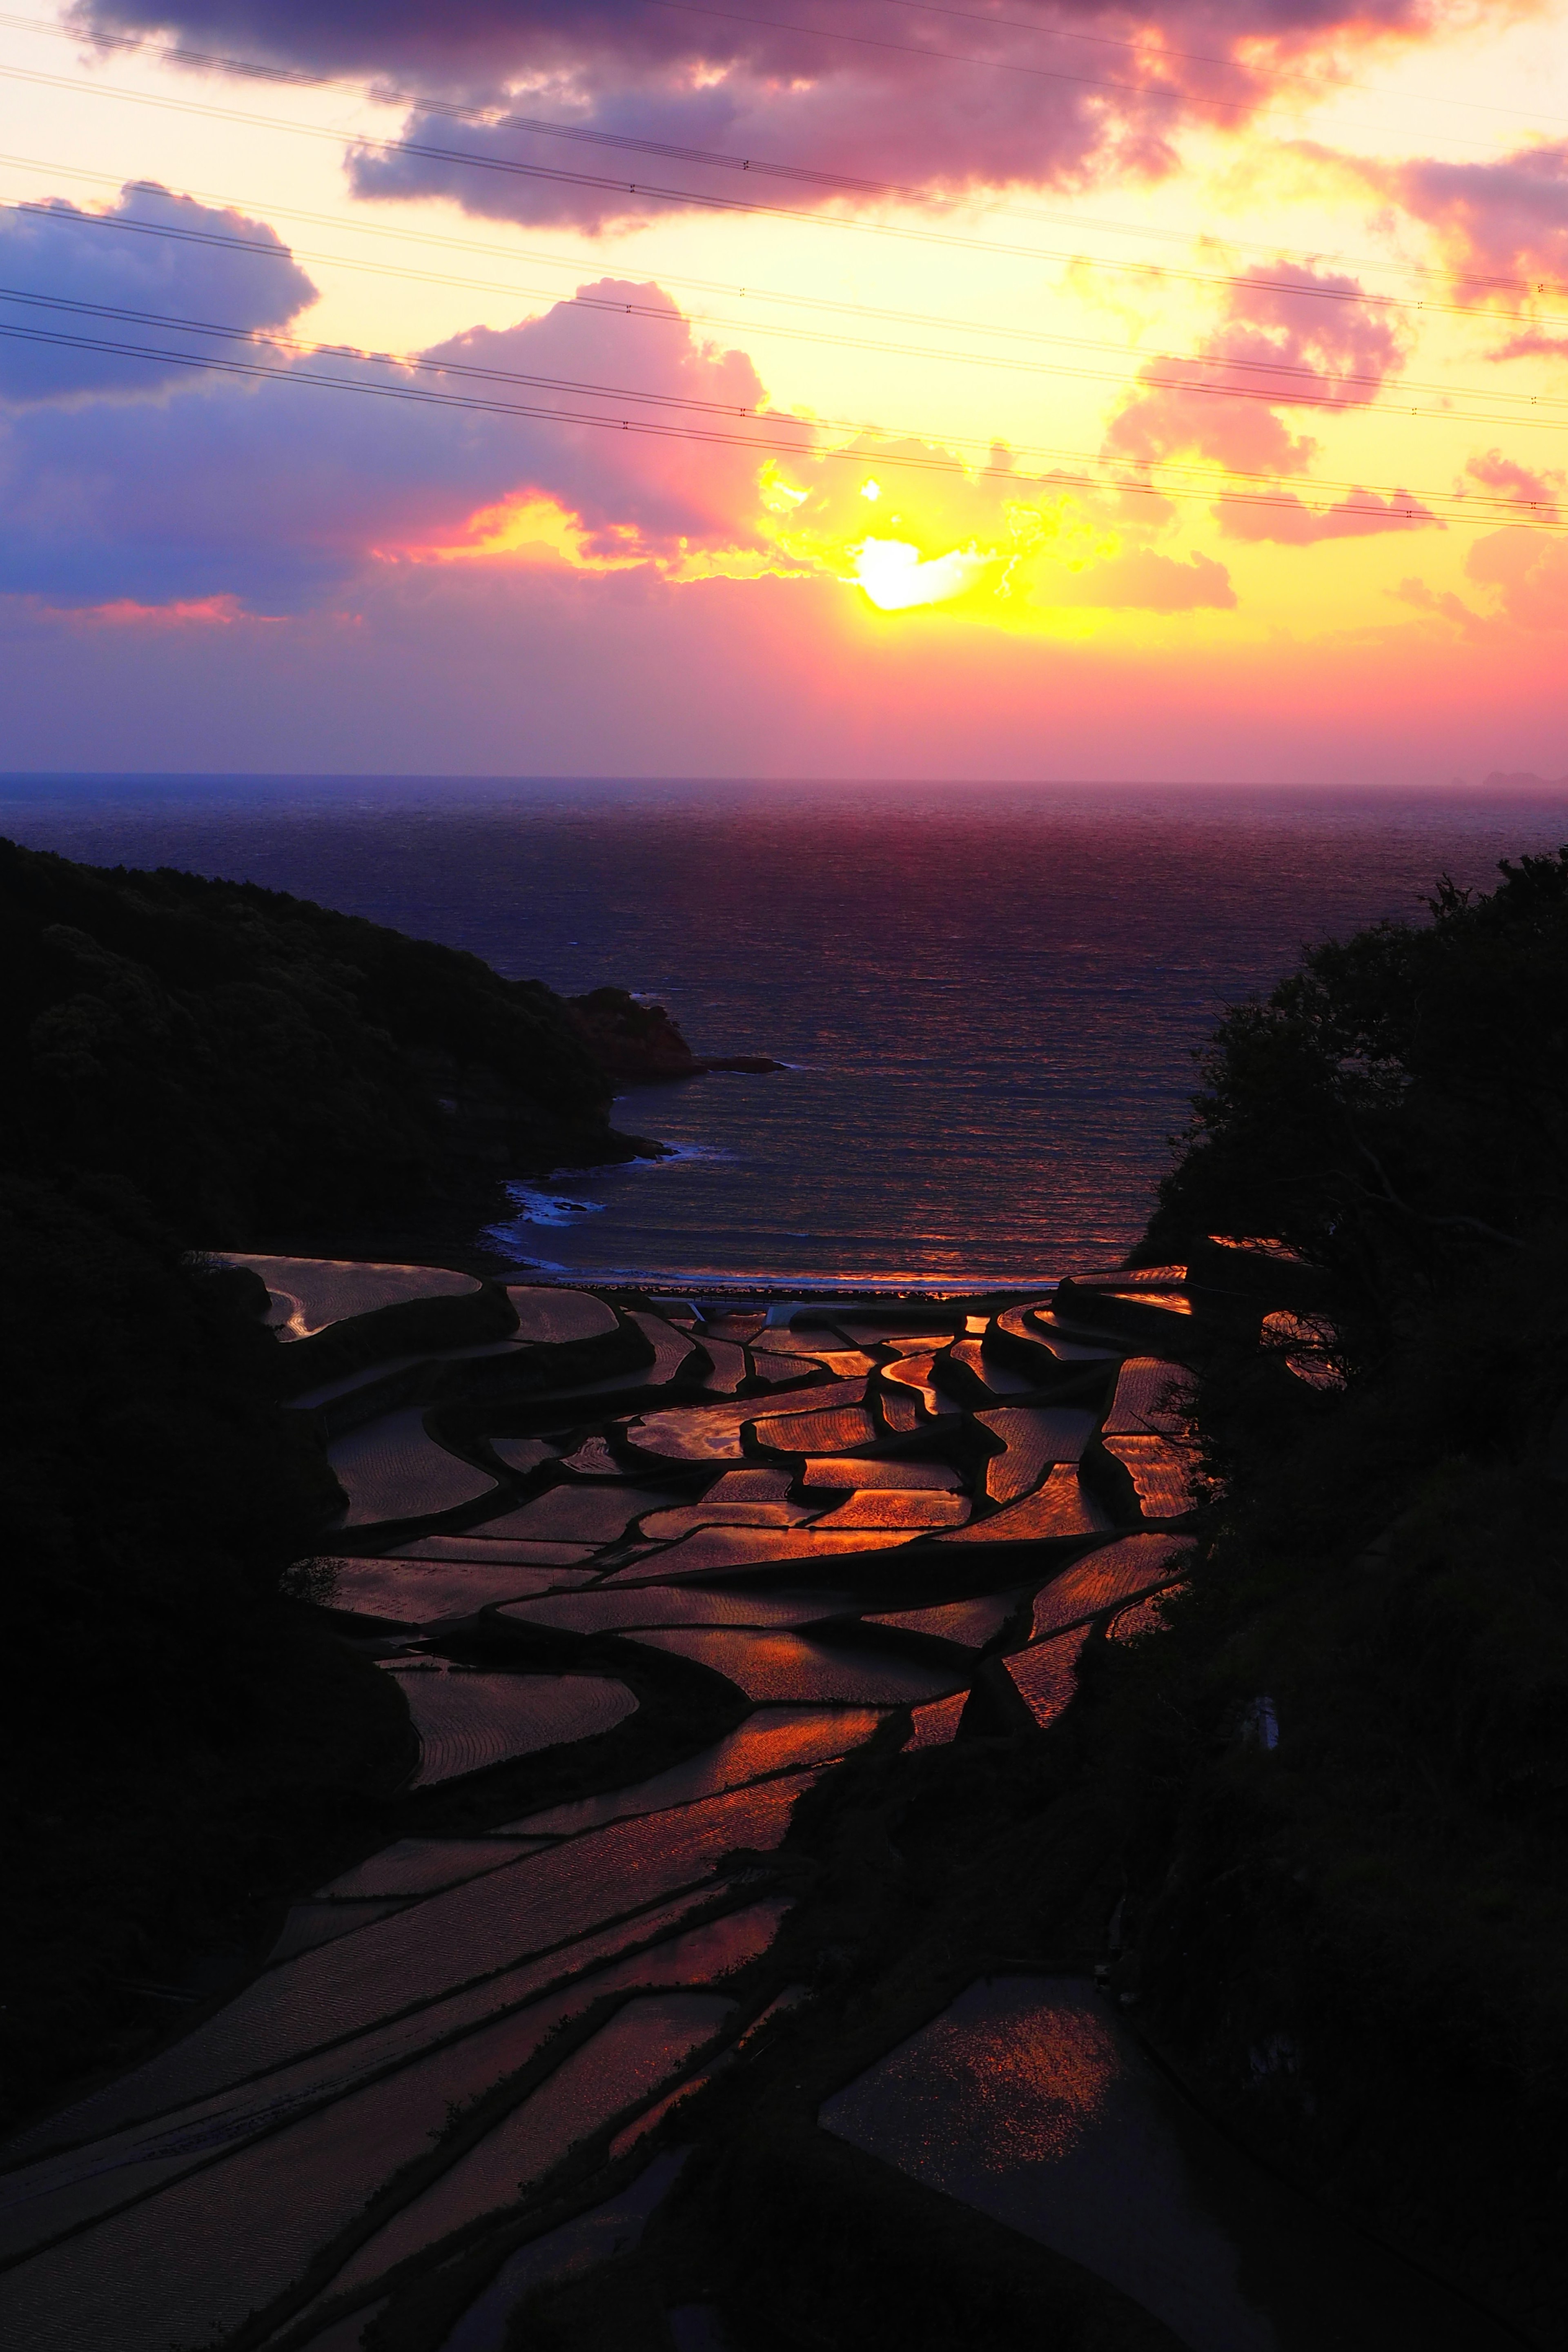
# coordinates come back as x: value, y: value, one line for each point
x: 988, y: 997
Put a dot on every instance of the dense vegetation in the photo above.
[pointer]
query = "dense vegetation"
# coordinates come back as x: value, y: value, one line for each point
x: 253, y: 1063
x: 188, y: 1064
x: 1358, y: 1934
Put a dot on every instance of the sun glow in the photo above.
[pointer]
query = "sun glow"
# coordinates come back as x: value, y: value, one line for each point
x: 897, y: 577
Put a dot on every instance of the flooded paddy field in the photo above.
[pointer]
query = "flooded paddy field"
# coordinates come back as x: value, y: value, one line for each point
x: 712, y: 1984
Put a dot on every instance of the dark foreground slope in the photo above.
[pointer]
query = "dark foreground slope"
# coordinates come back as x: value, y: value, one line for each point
x: 1349, y: 1908
x: 256, y: 1064
x: 190, y: 1064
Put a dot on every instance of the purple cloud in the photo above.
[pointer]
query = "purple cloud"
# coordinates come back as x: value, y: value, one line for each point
x: 54, y: 250
x: 852, y: 87
x: 277, y: 493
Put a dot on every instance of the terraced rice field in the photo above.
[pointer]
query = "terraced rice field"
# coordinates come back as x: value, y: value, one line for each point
x: 549, y: 1318
x: 1033, y: 1438
x: 420, y: 1593
x: 467, y: 1720
x: 891, y: 1507
x: 1025, y: 2100
x: 453, y: 2023
x: 1061, y: 1508
x: 394, y: 1469
x: 309, y: 1294
x: 1163, y: 1471
x: 1044, y: 1675
x: 1109, y: 1577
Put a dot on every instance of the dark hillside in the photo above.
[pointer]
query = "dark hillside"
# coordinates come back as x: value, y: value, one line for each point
x: 189, y: 1064
x: 253, y: 1063
x: 1347, y: 1765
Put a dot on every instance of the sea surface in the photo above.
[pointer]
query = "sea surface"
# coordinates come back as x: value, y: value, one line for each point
x: 988, y: 997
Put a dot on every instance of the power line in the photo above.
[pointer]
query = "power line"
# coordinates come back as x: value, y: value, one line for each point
x: 815, y: 304
x: 689, y: 199
x: 1214, y: 487
x: 1139, y: 381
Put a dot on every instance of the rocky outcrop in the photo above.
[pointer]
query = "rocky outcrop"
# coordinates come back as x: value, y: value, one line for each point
x: 638, y: 1045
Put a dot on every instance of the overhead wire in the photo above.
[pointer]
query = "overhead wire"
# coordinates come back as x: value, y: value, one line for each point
x: 1008, y: 331
x: 1361, y: 399
x: 424, y: 151
x: 1215, y: 485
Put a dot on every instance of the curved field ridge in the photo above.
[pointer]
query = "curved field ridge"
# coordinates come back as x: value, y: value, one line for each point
x: 633, y: 2055
x: 1062, y: 1507
x: 1108, y: 1579
x: 1046, y: 1676
x: 467, y: 1720
x: 310, y: 1292
x: 554, y: 1318
x: 780, y: 1665
x: 1023, y: 2101
x: 1033, y: 1437
x: 778, y: 1740
x: 394, y: 1469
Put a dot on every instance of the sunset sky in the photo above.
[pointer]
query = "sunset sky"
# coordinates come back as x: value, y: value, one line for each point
x: 1175, y: 390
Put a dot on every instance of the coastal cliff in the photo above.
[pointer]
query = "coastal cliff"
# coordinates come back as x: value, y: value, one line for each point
x: 251, y: 1062
x: 638, y: 1045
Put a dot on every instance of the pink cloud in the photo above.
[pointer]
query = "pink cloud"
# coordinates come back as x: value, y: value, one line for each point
x: 1288, y: 521
x: 1505, y: 220
x: 1293, y: 337
x: 1527, y: 572
x: 1493, y: 471
x: 1139, y: 580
